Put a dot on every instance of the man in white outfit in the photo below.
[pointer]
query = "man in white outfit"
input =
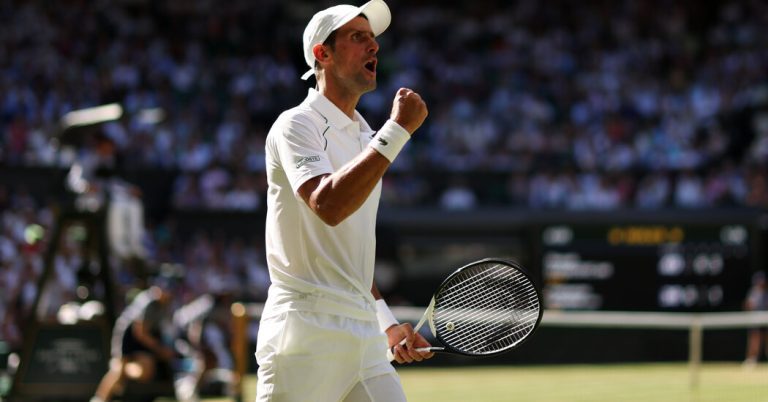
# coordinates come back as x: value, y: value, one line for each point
x: 325, y: 329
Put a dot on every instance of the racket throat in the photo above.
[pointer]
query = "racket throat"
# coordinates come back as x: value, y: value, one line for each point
x: 429, y: 316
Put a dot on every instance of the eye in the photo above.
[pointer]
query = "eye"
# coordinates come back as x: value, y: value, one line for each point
x: 361, y: 36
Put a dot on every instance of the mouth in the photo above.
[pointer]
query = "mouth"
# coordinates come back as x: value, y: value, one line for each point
x: 371, y: 66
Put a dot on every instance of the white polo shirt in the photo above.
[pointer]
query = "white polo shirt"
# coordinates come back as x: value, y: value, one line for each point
x: 314, y: 266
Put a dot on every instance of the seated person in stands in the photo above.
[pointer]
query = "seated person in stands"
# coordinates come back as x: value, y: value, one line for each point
x: 142, y: 341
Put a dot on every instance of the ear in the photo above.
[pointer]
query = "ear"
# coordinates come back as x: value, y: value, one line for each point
x: 320, y: 52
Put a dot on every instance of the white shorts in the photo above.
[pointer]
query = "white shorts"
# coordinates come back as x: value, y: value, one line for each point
x: 310, y: 356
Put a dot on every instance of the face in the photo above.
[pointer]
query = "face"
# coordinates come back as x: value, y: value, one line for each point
x: 351, y: 63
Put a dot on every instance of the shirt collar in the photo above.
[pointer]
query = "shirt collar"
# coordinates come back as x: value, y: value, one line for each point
x: 331, y: 112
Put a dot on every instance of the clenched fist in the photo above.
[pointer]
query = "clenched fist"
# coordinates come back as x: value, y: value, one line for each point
x: 409, y: 110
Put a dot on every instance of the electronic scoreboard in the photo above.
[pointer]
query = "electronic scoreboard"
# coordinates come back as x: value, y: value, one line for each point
x: 646, y: 266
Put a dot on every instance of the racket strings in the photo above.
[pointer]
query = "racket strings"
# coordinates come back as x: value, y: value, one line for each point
x: 501, y: 336
x: 498, y: 299
x: 491, y: 330
x: 486, y: 308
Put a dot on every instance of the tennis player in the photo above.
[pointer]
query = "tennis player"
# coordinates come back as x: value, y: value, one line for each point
x: 325, y: 329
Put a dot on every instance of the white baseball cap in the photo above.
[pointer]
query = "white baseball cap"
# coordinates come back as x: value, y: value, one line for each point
x: 324, y: 22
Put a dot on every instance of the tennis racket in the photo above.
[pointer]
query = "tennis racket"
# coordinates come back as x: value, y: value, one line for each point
x: 484, y: 308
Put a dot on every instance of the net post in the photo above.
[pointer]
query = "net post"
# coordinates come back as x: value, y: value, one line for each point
x: 239, y: 344
x: 695, y: 335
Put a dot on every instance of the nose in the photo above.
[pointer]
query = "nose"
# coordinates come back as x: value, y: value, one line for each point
x: 373, y: 46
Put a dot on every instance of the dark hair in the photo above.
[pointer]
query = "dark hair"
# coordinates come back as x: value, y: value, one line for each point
x: 330, y: 41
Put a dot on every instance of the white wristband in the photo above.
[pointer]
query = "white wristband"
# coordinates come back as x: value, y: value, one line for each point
x: 384, y: 315
x: 390, y: 140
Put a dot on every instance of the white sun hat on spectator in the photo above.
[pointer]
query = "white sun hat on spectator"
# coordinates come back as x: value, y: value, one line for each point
x: 324, y: 22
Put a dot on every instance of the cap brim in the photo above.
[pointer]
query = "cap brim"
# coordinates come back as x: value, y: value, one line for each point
x: 378, y: 15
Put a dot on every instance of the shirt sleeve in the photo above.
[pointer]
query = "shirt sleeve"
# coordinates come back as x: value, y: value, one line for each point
x: 301, y: 150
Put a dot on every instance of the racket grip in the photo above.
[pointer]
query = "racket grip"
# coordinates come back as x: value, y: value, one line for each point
x: 391, y: 353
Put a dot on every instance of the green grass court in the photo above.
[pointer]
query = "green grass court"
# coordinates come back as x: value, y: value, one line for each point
x: 727, y: 382
x: 588, y: 383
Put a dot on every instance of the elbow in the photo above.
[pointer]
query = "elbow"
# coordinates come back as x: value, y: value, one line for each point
x: 330, y: 216
x: 332, y: 222
x: 330, y: 213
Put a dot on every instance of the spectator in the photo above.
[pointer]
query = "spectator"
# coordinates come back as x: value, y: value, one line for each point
x: 458, y: 196
x: 689, y: 191
x: 243, y: 195
x: 756, y: 300
x: 654, y: 191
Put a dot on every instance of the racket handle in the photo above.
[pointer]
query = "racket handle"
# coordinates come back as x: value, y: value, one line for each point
x: 391, y: 354
x: 391, y: 351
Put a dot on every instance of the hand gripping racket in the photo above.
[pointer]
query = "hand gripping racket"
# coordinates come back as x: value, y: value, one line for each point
x: 485, y: 308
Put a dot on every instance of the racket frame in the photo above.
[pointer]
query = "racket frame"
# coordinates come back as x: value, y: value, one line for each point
x: 429, y: 312
x: 446, y: 348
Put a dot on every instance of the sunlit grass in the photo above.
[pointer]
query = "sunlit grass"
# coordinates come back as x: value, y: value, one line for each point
x: 663, y: 382
x: 588, y: 383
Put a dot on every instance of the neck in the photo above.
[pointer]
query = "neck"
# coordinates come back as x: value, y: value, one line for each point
x: 340, y: 96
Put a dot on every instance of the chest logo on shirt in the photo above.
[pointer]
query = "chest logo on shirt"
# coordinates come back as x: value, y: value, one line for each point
x: 303, y: 160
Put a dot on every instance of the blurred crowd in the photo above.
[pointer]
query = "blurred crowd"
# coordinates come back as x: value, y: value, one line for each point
x: 576, y: 105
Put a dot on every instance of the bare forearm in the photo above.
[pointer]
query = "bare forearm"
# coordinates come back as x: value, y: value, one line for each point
x: 375, y: 292
x: 336, y: 196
